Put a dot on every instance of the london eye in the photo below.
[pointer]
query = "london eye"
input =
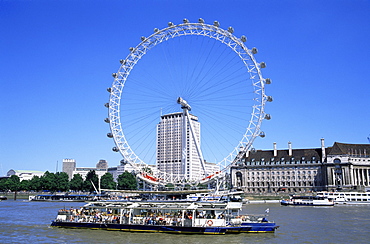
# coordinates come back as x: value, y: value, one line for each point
x: 199, y: 65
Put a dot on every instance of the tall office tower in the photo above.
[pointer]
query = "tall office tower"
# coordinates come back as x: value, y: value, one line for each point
x: 69, y: 165
x: 177, y: 155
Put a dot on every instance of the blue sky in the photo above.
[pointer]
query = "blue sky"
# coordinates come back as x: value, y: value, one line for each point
x: 57, y: 58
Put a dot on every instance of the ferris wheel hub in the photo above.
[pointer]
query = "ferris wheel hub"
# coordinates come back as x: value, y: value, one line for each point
x: 184, y: 104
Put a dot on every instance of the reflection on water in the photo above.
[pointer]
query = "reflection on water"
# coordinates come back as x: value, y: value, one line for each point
x: 25, y: 222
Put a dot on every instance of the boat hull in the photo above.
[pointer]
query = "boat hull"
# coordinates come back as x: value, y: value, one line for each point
x: 142, y: 228
x: 293, y: 203
x: 213, y: 230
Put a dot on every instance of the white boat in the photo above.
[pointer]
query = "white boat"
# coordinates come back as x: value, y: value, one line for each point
x: 308, y: 201
x: 168, y: 217
x: 342, y: 197
x: 216, y: 196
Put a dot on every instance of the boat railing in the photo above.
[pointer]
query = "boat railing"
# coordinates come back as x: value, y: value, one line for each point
x: 79, y: 215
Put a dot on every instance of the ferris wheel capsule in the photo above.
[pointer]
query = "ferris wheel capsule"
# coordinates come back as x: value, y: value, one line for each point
x: 254, y: 50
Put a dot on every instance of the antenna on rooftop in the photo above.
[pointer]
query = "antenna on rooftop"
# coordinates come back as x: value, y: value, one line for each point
x: 368, y: 138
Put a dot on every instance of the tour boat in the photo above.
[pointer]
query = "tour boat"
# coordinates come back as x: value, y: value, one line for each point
x: 308, y: 201
x: 68, y: 197
x: 167, y: 217
x: 342, y: 197
x: 216, y: 196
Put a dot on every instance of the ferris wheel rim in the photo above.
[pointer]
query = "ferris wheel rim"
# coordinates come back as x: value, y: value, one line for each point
x: 186, y: 28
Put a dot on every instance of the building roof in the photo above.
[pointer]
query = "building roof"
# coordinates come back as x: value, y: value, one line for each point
x: 20, y: 172
x: 337, y: 149
x: 349, y: 149
x: 28, y: 171
x: 267, y: 155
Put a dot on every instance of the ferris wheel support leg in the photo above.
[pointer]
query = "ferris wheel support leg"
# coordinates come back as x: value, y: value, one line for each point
x: 200, y: 155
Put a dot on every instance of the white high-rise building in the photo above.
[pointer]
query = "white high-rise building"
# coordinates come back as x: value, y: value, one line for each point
x: 177, y: 155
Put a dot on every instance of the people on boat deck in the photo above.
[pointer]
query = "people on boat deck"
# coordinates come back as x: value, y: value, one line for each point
x: 149, y: 217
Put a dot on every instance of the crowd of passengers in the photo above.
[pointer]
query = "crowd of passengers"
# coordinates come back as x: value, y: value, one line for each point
x: 150, y: 218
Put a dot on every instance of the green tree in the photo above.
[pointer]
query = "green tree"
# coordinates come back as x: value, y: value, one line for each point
x: 35, y: 183
x: 147, y: 170
x: 25, y: 185
x: 126, y: 181
x: 3, y: 186
x: 13, y: 183
x: 76, y: 183
x: 91, y: 181
x: 170, y: 186
x: 49, y: 182
x: 107, y: 181
x: 62, y: 181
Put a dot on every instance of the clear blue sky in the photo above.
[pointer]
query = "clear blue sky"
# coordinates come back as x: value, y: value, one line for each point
x: 57, y: 57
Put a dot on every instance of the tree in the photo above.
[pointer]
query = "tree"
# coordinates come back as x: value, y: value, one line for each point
x: 170, y: 186
x: 91, y: 182
x: 107, y: 181
x: 25, y: 185
x: 35, y: 183
x: 3, y: 186
x: 49, y: 182
x: 147, y: 170
x: 126, y: 181
x: 62, y: 181
x: 76, y: 183
x: 13, y: 183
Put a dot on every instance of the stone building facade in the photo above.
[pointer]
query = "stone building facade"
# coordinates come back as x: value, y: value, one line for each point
x: 347, y: 167
x: 342, y: 166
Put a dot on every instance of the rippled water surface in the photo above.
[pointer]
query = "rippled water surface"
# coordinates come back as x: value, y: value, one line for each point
x: 29, y: 222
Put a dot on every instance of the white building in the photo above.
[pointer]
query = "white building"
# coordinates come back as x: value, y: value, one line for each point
x: 25, y: 174
x: 69, y: 167
x: 177, y: 155
x: 83, y: 171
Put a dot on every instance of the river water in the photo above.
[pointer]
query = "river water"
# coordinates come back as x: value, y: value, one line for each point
x: 29, y: 222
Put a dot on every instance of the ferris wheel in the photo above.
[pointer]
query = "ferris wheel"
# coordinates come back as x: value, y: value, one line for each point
x: 217, y: 75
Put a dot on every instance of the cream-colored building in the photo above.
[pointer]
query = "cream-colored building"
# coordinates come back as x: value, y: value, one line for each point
x: 69, y: 167
x: 25, y: 174
x: 342, y: 166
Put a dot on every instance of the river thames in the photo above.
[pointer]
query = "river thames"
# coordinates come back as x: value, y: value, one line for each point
x: 22, y: 221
